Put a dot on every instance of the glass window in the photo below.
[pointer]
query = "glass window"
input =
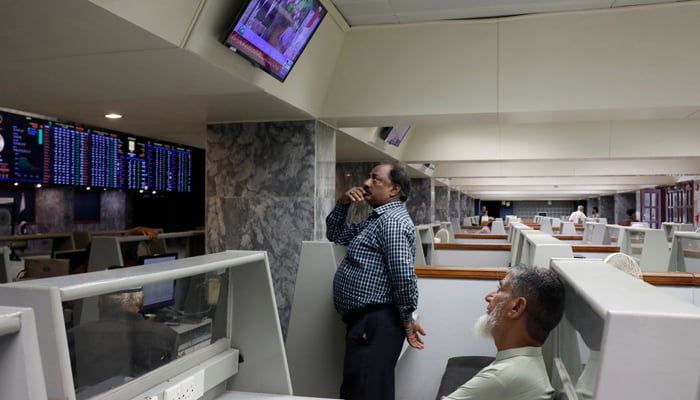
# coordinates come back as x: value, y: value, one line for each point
x: 119, y: 336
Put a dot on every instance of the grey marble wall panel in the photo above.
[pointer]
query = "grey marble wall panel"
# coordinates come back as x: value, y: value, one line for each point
x: 465, y: 206
x: 454, y: 204
x: 418, y: 203
x: 325, y: 177
x: 606, y: 207
x: 261, y: 189
x: 115, y: 205
x: 623, y: 202
x: 53, y: 213
x: 441, y: 203
x: 54, y: 209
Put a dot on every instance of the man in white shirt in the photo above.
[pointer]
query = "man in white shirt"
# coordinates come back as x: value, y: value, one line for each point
x: 578, y: 217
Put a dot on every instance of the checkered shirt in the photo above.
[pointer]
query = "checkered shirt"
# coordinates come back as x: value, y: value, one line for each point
x: 378, y: 266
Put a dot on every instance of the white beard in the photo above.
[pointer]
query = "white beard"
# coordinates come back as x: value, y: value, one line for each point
x: 483, y: 327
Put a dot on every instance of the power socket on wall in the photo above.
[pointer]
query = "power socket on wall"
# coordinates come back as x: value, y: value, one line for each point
x: 190, y: 388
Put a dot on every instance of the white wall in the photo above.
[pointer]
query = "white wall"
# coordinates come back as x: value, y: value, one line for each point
x: 585, y: 62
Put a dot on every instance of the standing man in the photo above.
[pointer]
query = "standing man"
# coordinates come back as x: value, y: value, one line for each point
x: 578, y: 216
x: 484, y: 216
x: 375, y: 288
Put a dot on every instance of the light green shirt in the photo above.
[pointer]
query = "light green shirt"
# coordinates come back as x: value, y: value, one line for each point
x: 516, y: 374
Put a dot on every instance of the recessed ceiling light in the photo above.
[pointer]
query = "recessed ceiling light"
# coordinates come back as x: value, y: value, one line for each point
x: 113, y: 116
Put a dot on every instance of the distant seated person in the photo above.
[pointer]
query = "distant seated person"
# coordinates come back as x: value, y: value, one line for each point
x: 486, y: 227
x: 528, y: 304
x: 630, y: 217
x: 142, y: 231
x: 132, y: 253
x: 121, y: 344
x: 578, y: 216
x: 594, y: 212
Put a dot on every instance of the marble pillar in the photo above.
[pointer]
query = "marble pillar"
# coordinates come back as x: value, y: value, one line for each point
x: 454, y: 205
x: 441, y: 203
x: 419, y: 204
x: 266, y: 191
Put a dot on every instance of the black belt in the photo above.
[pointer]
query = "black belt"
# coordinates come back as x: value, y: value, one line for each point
x: 354, y: 315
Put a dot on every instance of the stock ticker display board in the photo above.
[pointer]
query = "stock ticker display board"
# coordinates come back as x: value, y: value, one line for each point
x: 41, y: 151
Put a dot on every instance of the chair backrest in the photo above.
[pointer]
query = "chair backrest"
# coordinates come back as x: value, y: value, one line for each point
x: 443, y: 235
x: 624, y: 263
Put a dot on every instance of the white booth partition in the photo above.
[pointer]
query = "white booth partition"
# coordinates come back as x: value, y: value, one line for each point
x: 672, y: 227
x: 685, y: 252
x: 623, y: 338
x: 22, y: 375
x: 594, y: 233
x: 648, y: 246
x: 231, y: 342
x: 316, y: 334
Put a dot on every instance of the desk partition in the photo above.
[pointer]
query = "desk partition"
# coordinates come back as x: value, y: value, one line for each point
x: 685, y: 252
x: 672, y: 227
x: 622, y: 338
x: 648, y: 246
x: 244, y: 323
x: 316, y: 334
x: 22, y: 376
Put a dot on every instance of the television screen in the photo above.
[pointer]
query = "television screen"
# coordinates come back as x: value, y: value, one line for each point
x: 272, y: 33
x: 396, y: 135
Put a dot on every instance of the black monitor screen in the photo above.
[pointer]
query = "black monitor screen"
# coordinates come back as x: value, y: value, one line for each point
x: 159, y: 294
x: 78, y: 259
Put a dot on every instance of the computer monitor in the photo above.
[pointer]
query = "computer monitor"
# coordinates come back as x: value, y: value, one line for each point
x: 78, y: 259
x: 160, y: 294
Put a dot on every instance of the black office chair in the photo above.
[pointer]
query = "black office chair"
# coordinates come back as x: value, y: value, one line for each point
x: 459, y: 370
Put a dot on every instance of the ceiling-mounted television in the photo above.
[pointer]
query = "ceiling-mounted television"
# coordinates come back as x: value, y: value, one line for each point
x: 273, y: 33
x: 396, y: 135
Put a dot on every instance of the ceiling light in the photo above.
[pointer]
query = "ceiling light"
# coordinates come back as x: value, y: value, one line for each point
x: 113, y: 116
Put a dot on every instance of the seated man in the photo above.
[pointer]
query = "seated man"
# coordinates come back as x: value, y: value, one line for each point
x: 486, y: 227
x: 528, y: 304
x: 121, y: 343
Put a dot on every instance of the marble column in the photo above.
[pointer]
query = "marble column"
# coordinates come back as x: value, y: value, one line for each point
x: 441, y: 203
x: 606, y: 207
x: 419, y: 203
x: 267, y: 186
x: 454, y: 205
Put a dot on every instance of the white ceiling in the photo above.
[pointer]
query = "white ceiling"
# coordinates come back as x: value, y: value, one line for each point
x: 373, y: 12
x: 75, y: 61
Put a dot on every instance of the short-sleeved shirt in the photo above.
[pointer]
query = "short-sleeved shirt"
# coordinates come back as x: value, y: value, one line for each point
x: 515, y: 374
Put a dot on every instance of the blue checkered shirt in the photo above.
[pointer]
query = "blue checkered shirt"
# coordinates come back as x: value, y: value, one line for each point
x: 378, y: 267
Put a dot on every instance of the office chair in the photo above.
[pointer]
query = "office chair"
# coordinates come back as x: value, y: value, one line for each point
x: 443, y: 235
